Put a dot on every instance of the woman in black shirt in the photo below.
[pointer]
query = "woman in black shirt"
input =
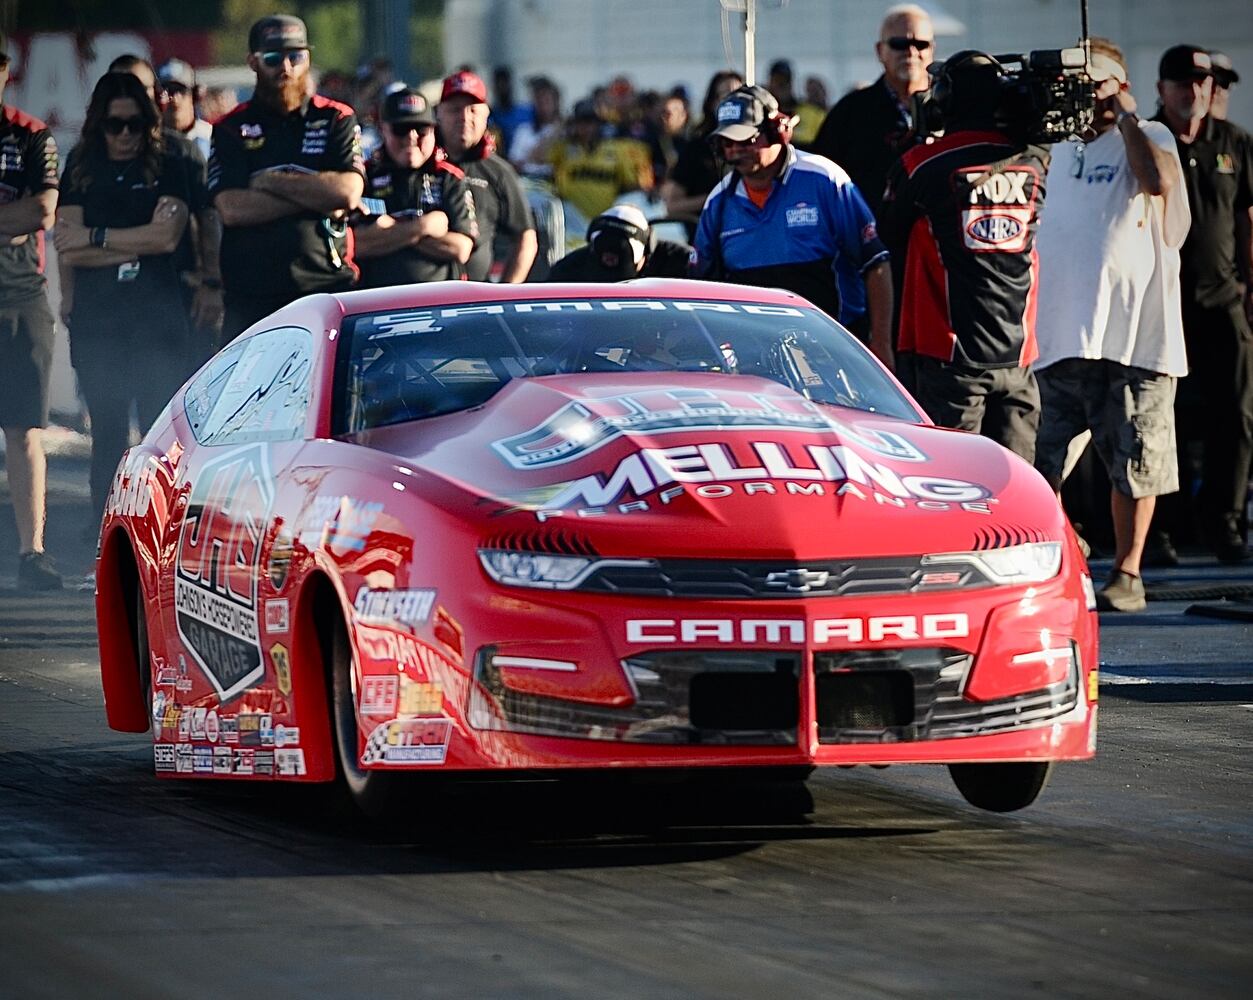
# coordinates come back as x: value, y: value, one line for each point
x: 697, y: 171
x: 123, y: 208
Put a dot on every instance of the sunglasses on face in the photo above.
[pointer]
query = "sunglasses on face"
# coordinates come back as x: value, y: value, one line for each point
x: 176, y: 90
x: 899, y: 43
x: 402, y: 131
x: 116, y: 126
x: 273, y: 60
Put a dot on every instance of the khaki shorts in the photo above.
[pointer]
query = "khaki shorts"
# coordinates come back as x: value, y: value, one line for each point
x: 1130, y: 412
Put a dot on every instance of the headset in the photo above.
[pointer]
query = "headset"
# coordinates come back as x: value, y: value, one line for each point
x: 967, y: 61
x: 775, y: 125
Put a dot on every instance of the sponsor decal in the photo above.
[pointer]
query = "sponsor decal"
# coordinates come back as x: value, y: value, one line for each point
x: 266, y: 731
x: 421, y: 698
x: 230, y: 729
x: 802, y: 215
x: 449, y: 634
x: 1102, y: 173
x: 171, y: 722
x: 393, y: 607
x: 796, y: 631
x: 379, y: 693
x: 158, y: 708
x: 242, y: 761
x: 340, y: 522
x: 249, y: 725
x: 314, y: 143
x: 198, y: 717
x: 277, y: 616
x: 219, y: 550
x: 993, y: 228
x: 1094, y: 685
x: 1005, y: 187
x: 286, y: 736
x: 722, y: 469
x: 1225, y: 163
x: 222, y: 760
x: 183, y: 759
x: 249, y: 130
x: 163, y: 756
x: 184, y: 725
x: 263, y: 762
x: 586, y: 424
x: 729, y: 112
x: 395, y: 650
x: 212, y: 728
x: 202, y: 760
x: 408, y: 741
x: 282, y: 667
x: 290, y: 763
x: 998, y: 219
x: 130, y: 494
x: 278, y: 565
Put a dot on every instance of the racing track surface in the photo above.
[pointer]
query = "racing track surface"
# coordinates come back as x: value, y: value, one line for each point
x: 1132, y: 876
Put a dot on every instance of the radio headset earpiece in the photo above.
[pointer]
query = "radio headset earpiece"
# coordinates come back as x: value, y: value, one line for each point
x: 761, y: 105
x: 967, y: 62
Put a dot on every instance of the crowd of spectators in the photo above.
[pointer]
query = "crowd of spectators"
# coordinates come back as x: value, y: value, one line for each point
x: 193, y: 231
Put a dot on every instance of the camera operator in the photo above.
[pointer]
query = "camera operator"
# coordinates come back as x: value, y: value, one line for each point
x: 968, y: 206
x: 621, y: 245
x: 1111, y: 337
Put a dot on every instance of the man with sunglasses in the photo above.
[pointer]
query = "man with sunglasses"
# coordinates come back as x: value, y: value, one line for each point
x: 789, y: 219
x: 178, y: 84
x: 28, y: 199
x: 285, y: 170
x: 1111, y: 334
x: 420, y: 224
x: 868, y: 129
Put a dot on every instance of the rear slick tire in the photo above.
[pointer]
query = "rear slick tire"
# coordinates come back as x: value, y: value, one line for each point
x: 1001, y: 787
x: 371, y: 792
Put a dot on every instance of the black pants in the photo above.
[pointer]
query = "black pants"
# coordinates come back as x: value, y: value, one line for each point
x: 1215, y: 407
x: 1000, y: 403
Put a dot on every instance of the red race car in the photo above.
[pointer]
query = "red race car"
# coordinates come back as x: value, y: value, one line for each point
x: 662, y: 524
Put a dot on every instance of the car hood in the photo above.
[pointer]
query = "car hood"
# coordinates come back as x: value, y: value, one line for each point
x: 696, y: 465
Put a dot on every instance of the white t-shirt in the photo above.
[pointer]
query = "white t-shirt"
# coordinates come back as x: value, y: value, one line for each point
x: 1109, y: 258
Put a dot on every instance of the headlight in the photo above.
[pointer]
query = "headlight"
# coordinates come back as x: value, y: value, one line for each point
x: 534, y: 569
x: 1033, y: 563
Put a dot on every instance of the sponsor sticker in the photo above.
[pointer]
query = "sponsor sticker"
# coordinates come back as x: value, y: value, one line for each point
x: 393, y: 607
x: 230, y: 729
x: 263, y: 762
x: 282, y: 667
x: 222, y: 760
x: 421, y: 698
x: 277, y: 616
x: 286, y: 736
x: 202, y: 760
x: 408, y: 741
x: 802, y: 215
x: 183, y: 758
x: 290, y: 763
x: 379, y: 693
x: 198, y: 718
x: 212, y: 727
x: 242, y: 761
x: 163, y: 756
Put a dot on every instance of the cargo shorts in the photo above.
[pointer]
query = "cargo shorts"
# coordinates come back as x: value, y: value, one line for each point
x: 1130, y: 412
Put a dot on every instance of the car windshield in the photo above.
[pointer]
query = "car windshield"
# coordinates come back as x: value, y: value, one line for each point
x: 398, y: 366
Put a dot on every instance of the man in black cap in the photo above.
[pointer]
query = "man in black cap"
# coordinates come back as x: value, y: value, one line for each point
x: 421, y: 225
x: 178, y: 84
x: 28, y: 201
x: 286, y: 169
x: 1225, y: 76
x: 1215, y: 401
x: 621, y: 245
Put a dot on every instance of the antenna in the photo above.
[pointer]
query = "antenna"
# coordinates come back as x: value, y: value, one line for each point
x: 749, y: 9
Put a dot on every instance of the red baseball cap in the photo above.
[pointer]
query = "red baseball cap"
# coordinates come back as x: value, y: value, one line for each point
x: 465, y: 82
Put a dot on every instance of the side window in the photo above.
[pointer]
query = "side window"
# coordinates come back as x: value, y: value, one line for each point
x: 255, y: 390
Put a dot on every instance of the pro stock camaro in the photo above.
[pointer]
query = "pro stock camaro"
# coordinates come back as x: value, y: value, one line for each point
x: 663, y: 524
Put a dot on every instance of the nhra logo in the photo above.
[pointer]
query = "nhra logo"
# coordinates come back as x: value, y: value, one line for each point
x: 994, y: 228
x: 217, y: 566
x: 584, y: 425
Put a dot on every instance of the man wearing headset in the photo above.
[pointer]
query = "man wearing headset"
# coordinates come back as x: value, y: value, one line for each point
x: 968, y: 206
x: 788, y: 219
x: 621, y: 245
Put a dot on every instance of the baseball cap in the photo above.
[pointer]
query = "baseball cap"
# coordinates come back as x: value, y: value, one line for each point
x: 277, y: 33
x: 1103, y: 67
x: 1224, y: 73
x: 406, y: 107
x: 1185, y: 62
x: 467, y: 83
x: 743, y: 112
x: 177, y: 71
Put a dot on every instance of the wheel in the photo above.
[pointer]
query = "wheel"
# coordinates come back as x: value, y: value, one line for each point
x: 372, y: 792
x: 1001, y: 787
x: 143, y: 654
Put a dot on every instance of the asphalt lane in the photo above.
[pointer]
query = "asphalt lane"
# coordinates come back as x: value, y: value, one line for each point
x: 1132, y: 875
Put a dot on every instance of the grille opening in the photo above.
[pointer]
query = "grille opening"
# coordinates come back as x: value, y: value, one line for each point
x: 744, y: 701
x: 865, y: 699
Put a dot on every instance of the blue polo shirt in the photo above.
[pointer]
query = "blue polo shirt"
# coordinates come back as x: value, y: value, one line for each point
x: 814, y: 236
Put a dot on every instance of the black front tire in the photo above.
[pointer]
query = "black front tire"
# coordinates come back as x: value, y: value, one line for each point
x: 370, y: 791
x: 1001, y: 787
x: 143, y: 652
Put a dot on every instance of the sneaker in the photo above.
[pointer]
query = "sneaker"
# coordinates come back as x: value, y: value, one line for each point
x: 1227, y: 541
x: 35, y: 571
x: 1159, y: 553
x: 1122, y: 592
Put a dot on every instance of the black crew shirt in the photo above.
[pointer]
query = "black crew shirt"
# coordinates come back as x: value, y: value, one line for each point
x: 865, y: 133
x: 116, y: 194
x: 697, y: 171
x: 1218, y: 172
x: 300, y: 253
x: 28, y: 165
x: 499, y: 203
x: 436, y: 186
x: 667, y: 259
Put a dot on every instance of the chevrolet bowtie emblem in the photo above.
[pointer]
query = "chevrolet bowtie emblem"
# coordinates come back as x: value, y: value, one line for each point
x: 798, y: 581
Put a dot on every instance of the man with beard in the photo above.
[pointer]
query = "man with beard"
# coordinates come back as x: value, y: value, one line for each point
x: 422, y: 225
x: 286, y: 169
x: 499, y: 201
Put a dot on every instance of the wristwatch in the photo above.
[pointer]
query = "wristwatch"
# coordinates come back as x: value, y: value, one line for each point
x: 1122, y: 116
